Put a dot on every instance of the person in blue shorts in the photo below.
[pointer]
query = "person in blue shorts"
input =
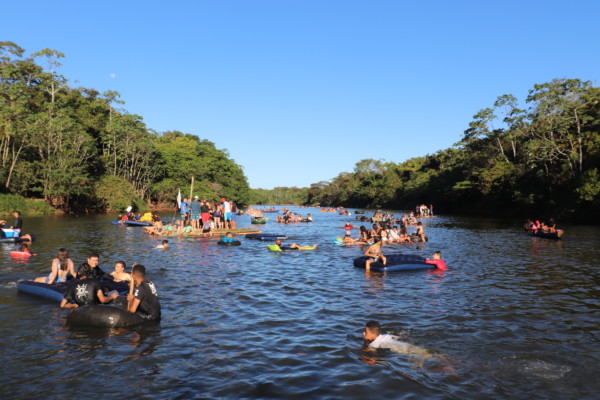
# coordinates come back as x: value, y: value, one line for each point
x: 195, y: 213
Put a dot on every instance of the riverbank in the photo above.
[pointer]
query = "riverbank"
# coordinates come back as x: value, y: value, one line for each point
x: 28, y: 207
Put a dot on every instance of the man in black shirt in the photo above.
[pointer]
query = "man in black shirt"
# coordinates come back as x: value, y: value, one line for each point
x: 96, y: 272
x: 18, y: 220
x: 144, y: 300
x: 84, y: 292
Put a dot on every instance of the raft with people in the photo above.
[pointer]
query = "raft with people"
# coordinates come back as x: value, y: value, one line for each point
x: 395, y: 262
x: 56, y: 291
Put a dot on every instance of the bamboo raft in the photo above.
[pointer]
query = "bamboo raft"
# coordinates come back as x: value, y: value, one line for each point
x: 215, y: 232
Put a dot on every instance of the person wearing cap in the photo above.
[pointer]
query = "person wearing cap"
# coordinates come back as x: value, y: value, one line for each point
x: 195, y: 213
x: 86, y: 291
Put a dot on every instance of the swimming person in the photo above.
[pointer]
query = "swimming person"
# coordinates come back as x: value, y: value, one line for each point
x: 375, y: 340
x: 144, y: 300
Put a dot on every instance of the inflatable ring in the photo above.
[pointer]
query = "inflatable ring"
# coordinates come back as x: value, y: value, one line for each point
x: 395, y: 262
x: 102, y: 316
x: 20, y: 254
x: 234, y: 243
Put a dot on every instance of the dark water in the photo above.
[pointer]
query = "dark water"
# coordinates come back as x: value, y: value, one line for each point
x: 514, y: 317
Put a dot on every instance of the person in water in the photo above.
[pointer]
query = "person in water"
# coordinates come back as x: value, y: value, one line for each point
x: 62, y: 269
x: 420, y: 232
x: 228, y: 238
x: 292, y: 246
x: 163, y: 245
x: 96, y: 272
x: 437, y: 261
x: 374, y: 253
x: 119, y: 274
x: 374, y: 339
x: 86, y: 291
x: 144, y: 300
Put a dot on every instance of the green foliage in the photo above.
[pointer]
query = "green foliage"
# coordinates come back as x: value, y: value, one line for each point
x: 115, y: 193
x: 72, y: 145
x: 540, y: 159
x: 589, y: 191
x: 278, y: 195
x: 11, y: 202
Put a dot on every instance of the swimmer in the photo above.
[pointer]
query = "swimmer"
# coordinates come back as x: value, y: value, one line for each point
x: 292, y: 246
x: 164, y: 245
x: 375, y: 340
x: 437, y: 261
x: 119, y: 274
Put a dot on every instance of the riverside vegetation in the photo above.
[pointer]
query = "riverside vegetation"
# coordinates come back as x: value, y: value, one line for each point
x: 540, y: 159
x: 78, y: 150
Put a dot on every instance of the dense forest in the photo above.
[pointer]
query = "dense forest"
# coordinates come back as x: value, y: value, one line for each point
x: 79, y: 150
x: 540, y: 159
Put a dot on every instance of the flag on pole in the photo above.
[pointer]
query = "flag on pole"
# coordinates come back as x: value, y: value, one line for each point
x: 179, y: 199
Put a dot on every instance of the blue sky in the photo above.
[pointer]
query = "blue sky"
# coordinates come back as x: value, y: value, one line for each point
x: 299, y: 91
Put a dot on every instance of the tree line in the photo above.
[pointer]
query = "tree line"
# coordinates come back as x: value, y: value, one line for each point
x: 79, y: 150
x: 540, y: 159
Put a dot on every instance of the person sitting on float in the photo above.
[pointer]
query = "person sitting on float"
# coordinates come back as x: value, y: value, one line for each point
x: 119, y: 274
x: 86, y: 291
x: 62, y: 269
x: 374, y: 253
x: 144, y: 300
x: 228, y: 238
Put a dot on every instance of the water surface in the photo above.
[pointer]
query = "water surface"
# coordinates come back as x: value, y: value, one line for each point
x: 513, y: 317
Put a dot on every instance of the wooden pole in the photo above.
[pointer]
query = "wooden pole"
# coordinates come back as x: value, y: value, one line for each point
x: 192, y: 188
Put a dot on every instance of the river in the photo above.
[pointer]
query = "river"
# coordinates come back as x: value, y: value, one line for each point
x: 514, y: 317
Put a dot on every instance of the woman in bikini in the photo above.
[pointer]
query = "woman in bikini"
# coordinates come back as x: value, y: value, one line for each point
x: 62, y: 267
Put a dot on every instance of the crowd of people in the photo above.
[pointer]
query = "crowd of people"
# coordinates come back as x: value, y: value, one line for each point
x: 537, y: 226
x: 90, y: 285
